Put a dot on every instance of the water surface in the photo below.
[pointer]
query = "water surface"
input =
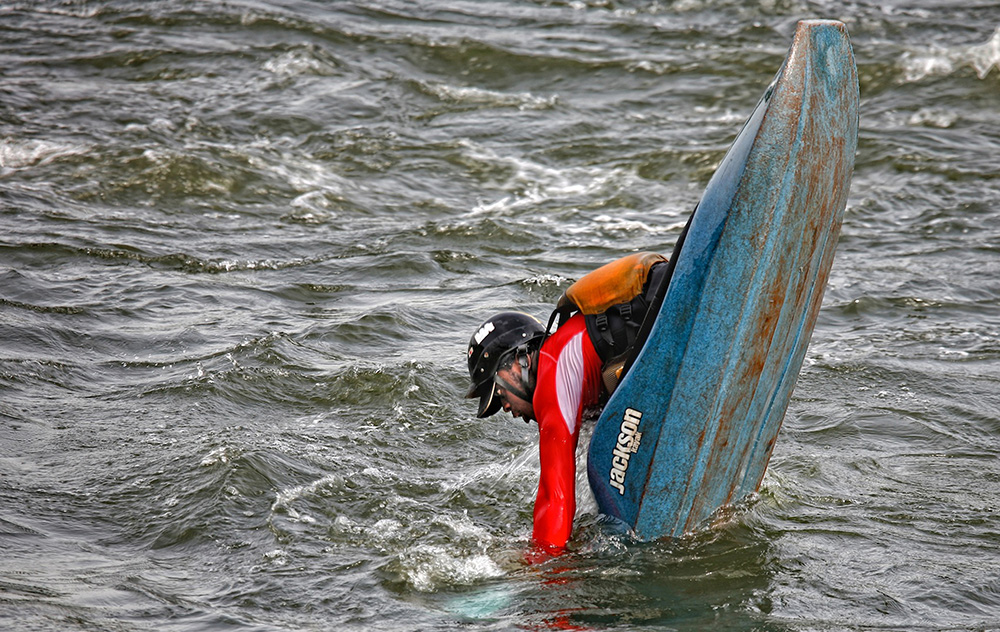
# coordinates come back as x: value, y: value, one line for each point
x: 244, y: 244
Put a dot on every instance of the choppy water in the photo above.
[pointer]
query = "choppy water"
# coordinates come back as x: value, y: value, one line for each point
x: 243, y: 245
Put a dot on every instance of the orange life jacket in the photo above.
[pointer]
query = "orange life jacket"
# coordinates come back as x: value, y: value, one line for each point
x: 614, y: 302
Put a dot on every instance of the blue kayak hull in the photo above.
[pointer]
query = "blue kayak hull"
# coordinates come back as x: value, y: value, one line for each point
x: 692, y: 425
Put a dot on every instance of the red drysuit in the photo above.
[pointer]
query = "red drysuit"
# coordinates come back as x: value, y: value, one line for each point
x: 568, y: 382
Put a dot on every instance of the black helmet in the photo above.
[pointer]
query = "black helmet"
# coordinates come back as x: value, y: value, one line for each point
x: 498, y: 336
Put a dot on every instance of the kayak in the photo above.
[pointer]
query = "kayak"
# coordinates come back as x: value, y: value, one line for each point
x: 693, y: 422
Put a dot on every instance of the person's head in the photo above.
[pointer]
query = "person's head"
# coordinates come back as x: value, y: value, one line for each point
x: 502, y: 364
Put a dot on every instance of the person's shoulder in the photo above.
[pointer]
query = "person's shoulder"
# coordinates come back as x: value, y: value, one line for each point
x: 558, y: 339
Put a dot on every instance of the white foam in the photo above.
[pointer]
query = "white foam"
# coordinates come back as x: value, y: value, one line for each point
x: 276, y: 557
x: 494, y: 474
x: 532, y: 183
x: 465, y: 528
x: 386, y: 527
x: 284, y: 498
x: 547, y: 279
x: 480, y: 96
x: 299, y: 62
x: 932, y: 118
x: 312, y: 207
x: 314, y: 180
x: 984, y: 58
x: 222, y: 454
x: 20, y: 154
x: 951, y: 354
x: 623, y: 224
x: 938, y: 61
x: 426, y: 567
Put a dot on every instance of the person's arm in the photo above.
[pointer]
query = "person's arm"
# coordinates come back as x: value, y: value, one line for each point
x: 555, y: 504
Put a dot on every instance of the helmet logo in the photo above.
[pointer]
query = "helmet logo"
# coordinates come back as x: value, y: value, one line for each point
x: 484, y: 331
